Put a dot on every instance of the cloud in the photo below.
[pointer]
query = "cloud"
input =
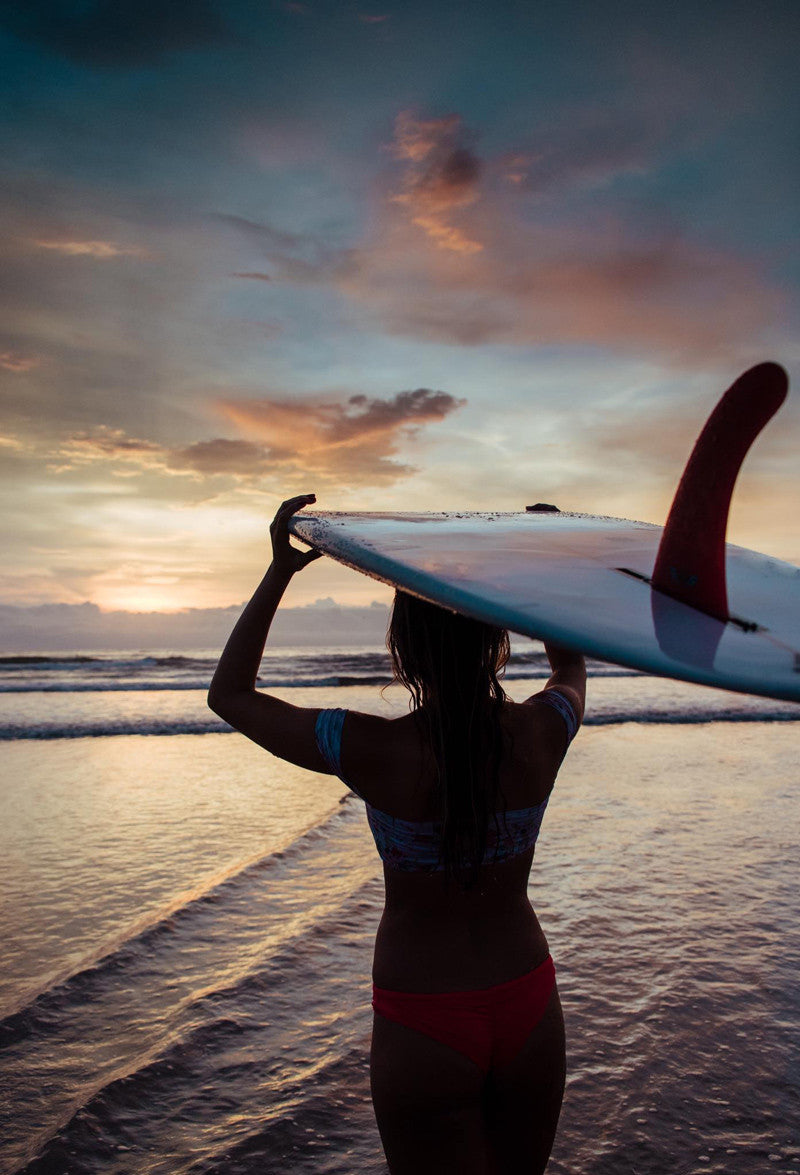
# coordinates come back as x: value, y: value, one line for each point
x: 49, y: 626
x: 104, y: 443
x: 296, y: 257
x: 355, y: 441
x: 638, y: 288
x: 521, y: 249
x: 510, y: 268
x: 102, y: 250
x: 115, y: 32
x: 100, y: 326
x: 17, y: 362
x: 660, y: 432
x: 221, y: 455
x: 109, y: 442
x: 441, y: 176
x: 469, y: 251
x: 588, y: 148
x: 369, y: 18
x: 673, y: 298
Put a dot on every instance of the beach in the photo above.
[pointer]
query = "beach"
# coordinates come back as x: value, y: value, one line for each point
x: 188, y: 925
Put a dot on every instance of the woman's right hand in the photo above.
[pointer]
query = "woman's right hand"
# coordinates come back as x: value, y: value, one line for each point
x: 286, y: 558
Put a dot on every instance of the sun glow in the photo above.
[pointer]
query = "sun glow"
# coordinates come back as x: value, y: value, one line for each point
x: 143, y: 598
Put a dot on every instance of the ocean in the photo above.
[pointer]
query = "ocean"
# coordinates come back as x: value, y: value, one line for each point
x: 187, y: 925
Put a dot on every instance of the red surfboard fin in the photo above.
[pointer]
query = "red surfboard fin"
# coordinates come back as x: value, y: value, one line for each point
x: 690, y: 564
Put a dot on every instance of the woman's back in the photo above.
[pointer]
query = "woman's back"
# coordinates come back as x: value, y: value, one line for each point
x: 436, y: 935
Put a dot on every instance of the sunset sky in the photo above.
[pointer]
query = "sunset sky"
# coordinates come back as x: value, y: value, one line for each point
x: 405, y: 256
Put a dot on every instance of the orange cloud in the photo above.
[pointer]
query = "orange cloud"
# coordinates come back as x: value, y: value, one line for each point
x: 441, y: 177
x: 446, y: 236
x: 357, y: 440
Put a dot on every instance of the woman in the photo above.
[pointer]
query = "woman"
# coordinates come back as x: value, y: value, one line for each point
x: 467, y: 1060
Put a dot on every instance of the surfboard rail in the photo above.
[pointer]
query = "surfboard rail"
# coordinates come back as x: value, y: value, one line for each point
x: 581, y: 581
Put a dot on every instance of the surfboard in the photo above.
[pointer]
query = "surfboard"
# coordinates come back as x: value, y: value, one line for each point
x: 618, y: 590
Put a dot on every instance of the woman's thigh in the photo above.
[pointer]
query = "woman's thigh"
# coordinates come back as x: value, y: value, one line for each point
x: 522, y: 1102
x: 428, y: 1103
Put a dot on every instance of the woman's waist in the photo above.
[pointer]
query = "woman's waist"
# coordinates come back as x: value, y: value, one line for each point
x: 425, y: 953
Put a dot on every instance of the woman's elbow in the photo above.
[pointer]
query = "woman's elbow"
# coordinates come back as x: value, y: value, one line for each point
x: 231, y: 705
x: 218, y: 701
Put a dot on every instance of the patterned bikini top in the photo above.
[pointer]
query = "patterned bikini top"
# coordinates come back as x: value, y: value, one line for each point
x: 415, y: 845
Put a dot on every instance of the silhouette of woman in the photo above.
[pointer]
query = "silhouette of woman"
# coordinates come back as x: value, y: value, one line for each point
x: 467, y: 1061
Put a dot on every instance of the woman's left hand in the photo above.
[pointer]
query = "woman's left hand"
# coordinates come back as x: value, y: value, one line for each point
x: 285, y: 557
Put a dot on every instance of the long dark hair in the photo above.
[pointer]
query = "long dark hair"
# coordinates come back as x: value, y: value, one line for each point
x: 452, y: 665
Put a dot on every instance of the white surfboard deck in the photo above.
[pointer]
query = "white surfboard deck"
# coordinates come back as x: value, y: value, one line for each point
x: 556, y: 577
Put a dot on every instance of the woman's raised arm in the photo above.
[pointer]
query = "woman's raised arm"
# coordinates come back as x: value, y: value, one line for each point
x: 283, y: 729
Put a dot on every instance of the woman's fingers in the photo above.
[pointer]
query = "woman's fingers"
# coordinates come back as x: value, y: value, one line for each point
x: 291, y: 506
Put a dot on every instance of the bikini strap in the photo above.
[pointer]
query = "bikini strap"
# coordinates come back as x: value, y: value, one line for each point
x: 560, y: 702
x: 328, y: 730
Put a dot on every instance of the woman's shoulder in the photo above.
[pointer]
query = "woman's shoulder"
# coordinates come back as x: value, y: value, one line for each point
x: 372, y: 730
x: 552, y: 714
x: 386, y: 761
x: 372, y: 738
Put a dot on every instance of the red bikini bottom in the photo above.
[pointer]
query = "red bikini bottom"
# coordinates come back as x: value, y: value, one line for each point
x: 489, y: 1026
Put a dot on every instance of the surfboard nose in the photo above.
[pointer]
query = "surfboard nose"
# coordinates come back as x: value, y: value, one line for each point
x: 690, y: 564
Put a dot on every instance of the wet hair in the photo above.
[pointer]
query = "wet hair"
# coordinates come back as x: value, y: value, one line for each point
x: 452, y: 666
